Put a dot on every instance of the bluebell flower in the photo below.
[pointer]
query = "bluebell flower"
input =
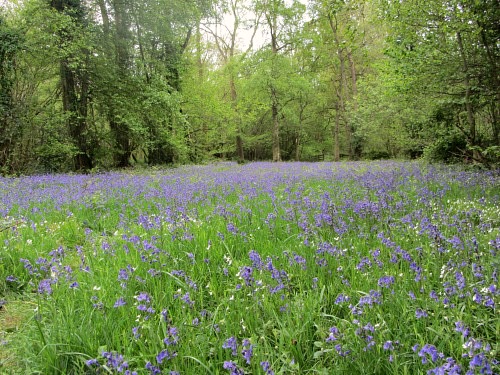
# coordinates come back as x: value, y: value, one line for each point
x: 460, y: 279
x: 266, y: 366
x: 247, y: 350
x: 153, y: 370
x: 460, y: 327
x: 341, y: 298
x: 120, y: 302
x: 92, y: 362
x: 115, y: 360
x: 231, y: 228
x: 44, y: 286
x: 231, y: 343
x: 419, y: 313
x: 123, y: 275
x: 256, y: 259
x: 431, y: 351
x: 386, y: 281
x: 233, y: 368
x: 173, y: 337
x: 165, y: 355
x: 143, y: 297
x: 388, y: 345
x: 333, y: 335
x: 450, y: 367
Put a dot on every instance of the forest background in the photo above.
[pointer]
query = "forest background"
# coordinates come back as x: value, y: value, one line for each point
x: 98, y: 84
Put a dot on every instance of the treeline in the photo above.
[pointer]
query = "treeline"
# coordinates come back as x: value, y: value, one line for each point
x: 88, y: 84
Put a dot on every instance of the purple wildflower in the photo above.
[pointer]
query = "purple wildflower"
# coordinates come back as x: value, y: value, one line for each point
x: 153, y: 370
x: 92, y: 362
x: 123, y: 275
x: 115, y: 361
x: 386, y: 281
x: 173, y: 337
x: 120, y: 302
x: 143, y: 297
x: 187, y: 299
x: 266, y: 366
x: 165, y: 355
x: 450, y: 367
x: 231, y: 228
x: 247, y: 350
x: 388, y: 345
x: 44, y: 287
x: 419, y: 313
x: 431, y: 351
x: 246, y: 274
x: 233, y: 368
x: 334, y: 333
x: 232, y: 344
x: 461, y: 327
x: 341, y: 298
x: 256, y: 259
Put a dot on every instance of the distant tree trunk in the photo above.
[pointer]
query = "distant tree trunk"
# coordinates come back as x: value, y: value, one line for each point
x: 74, y: 90
x: 276, y: 125
x: 119, y: 129
x: 77, y: 106
x: 341, y: 91
x: 239, y: 141
x: 272, y: 22
x: 468, y: 91
x: 336, y: 131
x: 495, y: 84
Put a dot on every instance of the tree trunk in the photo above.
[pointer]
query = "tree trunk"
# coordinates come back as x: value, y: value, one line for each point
x: 276, y: 127
x: 336, y: 131
x: 273, y: 27
x: 468, y: 91
x: 75, y: 103
x: 119, y: 129
x: 340, y: 90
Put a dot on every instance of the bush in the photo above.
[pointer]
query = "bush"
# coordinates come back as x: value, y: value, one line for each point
x: 450, y: 148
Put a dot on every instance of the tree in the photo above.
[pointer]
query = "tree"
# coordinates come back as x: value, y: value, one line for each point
x: 75, y: 77
x: 282, y: 22
x: 11, y: 43
x: 448, y: 50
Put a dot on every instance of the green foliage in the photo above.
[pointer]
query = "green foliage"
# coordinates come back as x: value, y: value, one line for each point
x: 112, y: 84
x: 448, y: 148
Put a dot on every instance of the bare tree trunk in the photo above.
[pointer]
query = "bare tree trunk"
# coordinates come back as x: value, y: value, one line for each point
x: 273, y: 27
x: 119, y: 129
x: 340, y: 90
x: 74, y: 91
x: 276, y: 126
x: 336, y: 131
x: 468, y: 91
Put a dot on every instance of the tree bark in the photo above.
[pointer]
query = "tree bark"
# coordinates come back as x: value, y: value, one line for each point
x: 273, y: 26
x: 468, y: 92
x: 75, y: 103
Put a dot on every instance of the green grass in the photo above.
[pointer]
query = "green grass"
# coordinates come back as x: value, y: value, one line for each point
x: 179, y: 248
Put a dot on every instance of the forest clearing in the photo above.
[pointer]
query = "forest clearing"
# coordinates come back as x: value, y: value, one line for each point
x: 261, y: 268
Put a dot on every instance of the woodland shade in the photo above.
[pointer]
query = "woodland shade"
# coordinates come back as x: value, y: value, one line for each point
x: 88, y: 84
